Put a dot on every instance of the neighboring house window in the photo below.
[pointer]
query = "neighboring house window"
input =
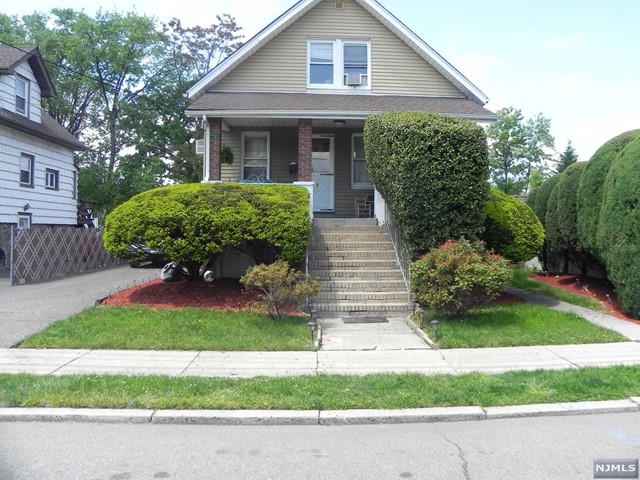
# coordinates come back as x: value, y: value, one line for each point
x: 24, y: 220
x: 22, y: 96
x: 51, y: 179
x: 339, y: 64
x: 26, y: 170
x: 255, y: 154
x: 360, y: 174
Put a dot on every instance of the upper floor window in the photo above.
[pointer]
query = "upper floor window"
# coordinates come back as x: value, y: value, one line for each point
x: 51, y: 179
x: 22, y: 96
x: 339, y: 64
x: 26, y: 170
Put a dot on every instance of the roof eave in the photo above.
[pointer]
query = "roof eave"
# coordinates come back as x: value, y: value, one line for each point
x: 317, y: 115
x: 75, y: 146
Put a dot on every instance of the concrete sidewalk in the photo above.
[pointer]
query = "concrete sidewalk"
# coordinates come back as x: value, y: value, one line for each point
x: 277, y: 364
x: 27, y: 309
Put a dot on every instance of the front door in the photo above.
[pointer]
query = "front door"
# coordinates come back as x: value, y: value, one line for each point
x: 322, y: 173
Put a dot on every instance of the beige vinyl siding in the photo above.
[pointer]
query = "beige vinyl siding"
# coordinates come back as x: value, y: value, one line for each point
x: 281, y: 65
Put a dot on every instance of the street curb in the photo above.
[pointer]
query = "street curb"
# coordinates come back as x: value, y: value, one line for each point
x: 314, y: 417
x: 418, y: 331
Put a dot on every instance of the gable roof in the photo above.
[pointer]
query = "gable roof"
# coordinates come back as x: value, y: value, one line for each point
x: 49, y: 129
x: 427, y: 53
x: 13, y: 56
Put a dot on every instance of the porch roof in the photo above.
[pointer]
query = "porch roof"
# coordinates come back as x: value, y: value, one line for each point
x: 317, y: 105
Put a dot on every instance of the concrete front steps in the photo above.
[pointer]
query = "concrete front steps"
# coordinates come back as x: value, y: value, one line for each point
x: 355, y: 261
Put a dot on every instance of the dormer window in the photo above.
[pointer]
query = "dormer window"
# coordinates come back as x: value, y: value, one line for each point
x: 22, y: 96
x: 339, y: 64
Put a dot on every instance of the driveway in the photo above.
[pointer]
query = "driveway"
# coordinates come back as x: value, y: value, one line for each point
x: 27, y: 309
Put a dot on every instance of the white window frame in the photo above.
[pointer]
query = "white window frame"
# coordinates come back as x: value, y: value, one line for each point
x: 52, y: 179
x: 24, y: 221
x: 357, y: 185
x: 25, y: 82
x: 32, y: 167
x: 243, y: 136
x: 338, y: 65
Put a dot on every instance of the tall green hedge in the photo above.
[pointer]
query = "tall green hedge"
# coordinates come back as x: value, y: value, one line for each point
x: 590, y: 190
x: 433, y: 173
x: 618, y: 234
x: 193, y: 222
x: 512, y: 229
x: 538, y: 202
x: 562, y: 220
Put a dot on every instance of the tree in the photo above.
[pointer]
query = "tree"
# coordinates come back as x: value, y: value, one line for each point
x: 567, y: 157
x: 517, y: 148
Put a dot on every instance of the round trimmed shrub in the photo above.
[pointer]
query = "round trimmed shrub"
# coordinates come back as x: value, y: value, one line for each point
x: 590, y: 189
x: 190, y: 223
x: 512, y: 229
x: 432, y: 171
x: 458, y: 276
x: 618, y: 235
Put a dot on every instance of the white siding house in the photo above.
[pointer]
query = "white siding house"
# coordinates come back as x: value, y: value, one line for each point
x: 38, y: 178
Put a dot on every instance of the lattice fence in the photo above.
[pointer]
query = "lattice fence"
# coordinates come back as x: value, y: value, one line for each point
x: 44, y: 253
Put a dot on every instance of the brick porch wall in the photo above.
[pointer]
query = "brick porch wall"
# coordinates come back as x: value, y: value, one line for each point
x: 304, y: 149
x: 215, y: 136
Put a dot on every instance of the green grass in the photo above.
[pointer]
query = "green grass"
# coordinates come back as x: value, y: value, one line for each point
x: 320, y: 392
x: 139, y: 328
x: 511, y: 325
x: 521, y: 279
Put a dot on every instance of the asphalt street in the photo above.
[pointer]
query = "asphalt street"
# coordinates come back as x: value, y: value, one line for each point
x: 549, y: 448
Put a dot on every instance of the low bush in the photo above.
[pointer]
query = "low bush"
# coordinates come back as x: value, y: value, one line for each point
x: 458, y: 276
x: 282, y: 289
x: 512, y: 229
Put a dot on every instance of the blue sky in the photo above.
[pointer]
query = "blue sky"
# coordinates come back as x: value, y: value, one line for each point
x: 575, y: 62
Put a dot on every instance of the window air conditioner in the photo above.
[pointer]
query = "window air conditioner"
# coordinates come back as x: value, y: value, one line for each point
x: 199, y: 147
x: 354, y: 79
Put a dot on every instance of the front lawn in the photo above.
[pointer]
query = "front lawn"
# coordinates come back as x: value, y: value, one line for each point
x: 325, y: 392
x: 141, y: 328
x: 512, y: 325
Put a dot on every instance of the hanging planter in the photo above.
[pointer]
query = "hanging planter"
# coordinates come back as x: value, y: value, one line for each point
x: 226, y: 155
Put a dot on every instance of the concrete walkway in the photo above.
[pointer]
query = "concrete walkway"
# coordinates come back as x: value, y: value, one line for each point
x: 27, y: 309
x: 276, y: 364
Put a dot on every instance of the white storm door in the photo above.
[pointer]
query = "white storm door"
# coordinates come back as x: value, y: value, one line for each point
x: 322, y: 173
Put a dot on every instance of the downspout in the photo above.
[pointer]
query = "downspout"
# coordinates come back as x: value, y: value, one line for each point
x: 206, y: 165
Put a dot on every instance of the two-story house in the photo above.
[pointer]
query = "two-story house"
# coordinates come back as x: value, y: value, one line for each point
x: 292, y: 102
x: 38, y: 178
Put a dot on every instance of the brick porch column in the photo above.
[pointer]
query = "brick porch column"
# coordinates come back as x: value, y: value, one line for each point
x: 304, y: 149
x: 215, y: 145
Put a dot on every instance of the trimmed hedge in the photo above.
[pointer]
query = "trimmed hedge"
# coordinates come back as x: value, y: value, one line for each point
x: 512, y: 229
x: 538, y: 201
x: 618, y: 235
x: 562, y: 220
x: 591, y: 188
x: 193, y: 222
x: 432, y: 171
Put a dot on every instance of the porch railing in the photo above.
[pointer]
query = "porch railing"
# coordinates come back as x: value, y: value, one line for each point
x: 402, y: 255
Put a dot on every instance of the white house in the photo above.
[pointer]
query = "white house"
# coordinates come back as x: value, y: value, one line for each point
x: 38, y: 178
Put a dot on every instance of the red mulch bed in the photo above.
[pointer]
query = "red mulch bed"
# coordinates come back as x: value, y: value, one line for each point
x: 221, y: 294
x: 600, y: 290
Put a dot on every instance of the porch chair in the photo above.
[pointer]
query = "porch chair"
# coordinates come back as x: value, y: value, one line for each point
x: 364, y: 206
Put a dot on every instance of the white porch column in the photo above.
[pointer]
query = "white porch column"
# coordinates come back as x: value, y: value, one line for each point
x: 379, y: 207
x: 309, y: 186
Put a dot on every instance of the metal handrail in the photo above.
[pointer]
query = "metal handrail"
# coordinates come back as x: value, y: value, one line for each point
x: 402, y: 255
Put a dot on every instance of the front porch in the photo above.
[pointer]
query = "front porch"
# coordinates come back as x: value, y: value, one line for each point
x: 327, y: 153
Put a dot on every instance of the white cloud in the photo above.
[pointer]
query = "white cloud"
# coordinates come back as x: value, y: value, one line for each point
x: 587, y: 137
x: 568, y: 84
x: 475, y: 64
x: 568, y: 41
